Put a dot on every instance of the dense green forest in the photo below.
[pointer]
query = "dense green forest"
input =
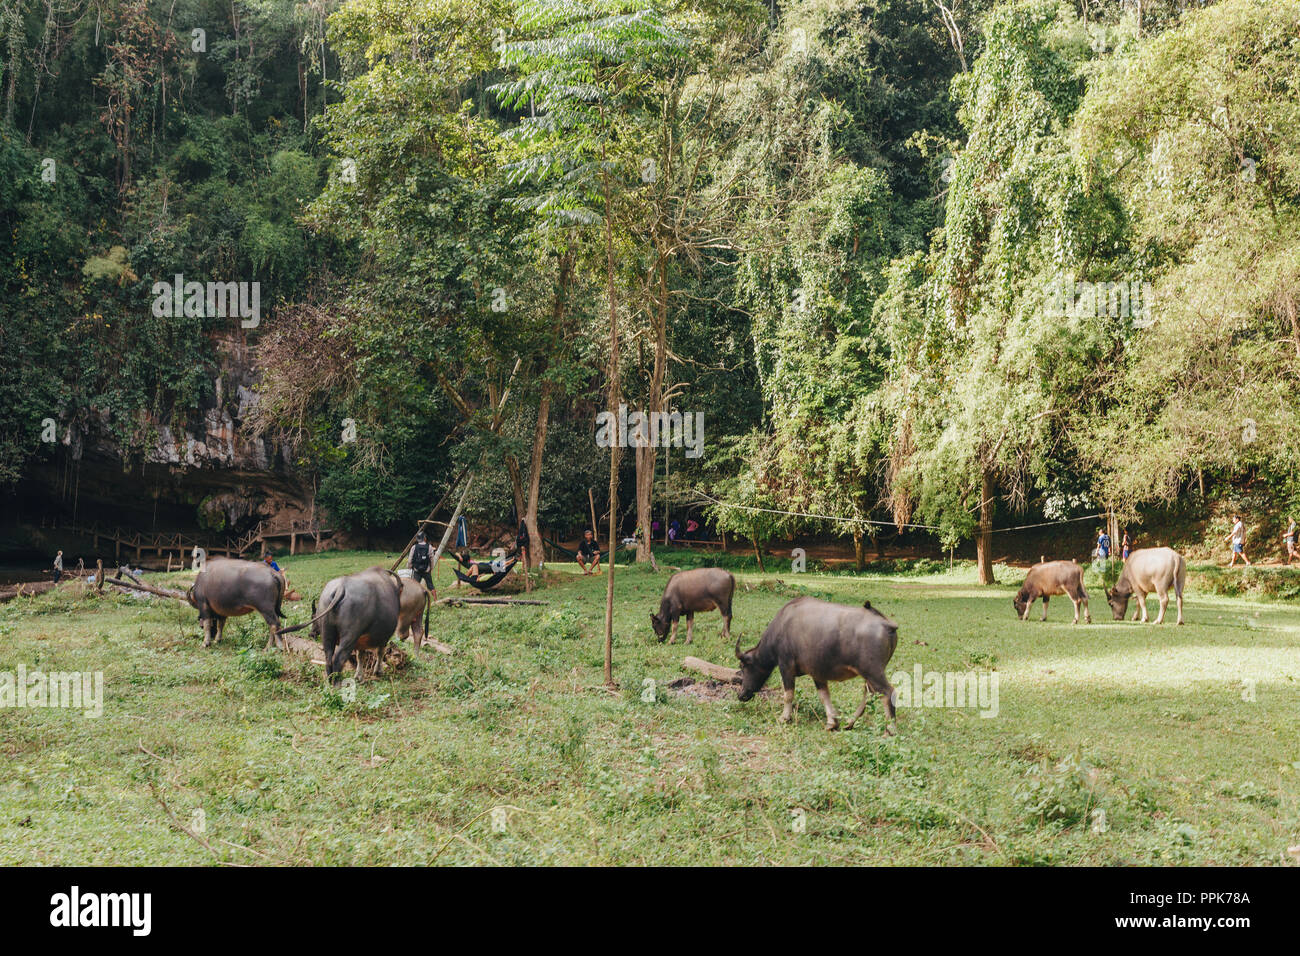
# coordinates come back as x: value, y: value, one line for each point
x: 937, y: 263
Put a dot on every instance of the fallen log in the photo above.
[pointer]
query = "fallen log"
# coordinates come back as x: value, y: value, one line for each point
x: 438, y: 646
x: 726, y: 674
x: 395, y: 655
x: 454, y: 599
x: 150, y: 589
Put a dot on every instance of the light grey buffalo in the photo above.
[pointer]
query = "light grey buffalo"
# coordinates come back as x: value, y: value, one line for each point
x: 359, y: 614
x: 412, y: 602
x: 700, y: 589
x: 1147, y: 570
x: 827, y: 642
x: 229, y: 588
x: 1049, y: 578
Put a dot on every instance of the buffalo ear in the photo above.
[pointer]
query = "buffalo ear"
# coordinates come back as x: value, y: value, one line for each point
x: 867, y: 605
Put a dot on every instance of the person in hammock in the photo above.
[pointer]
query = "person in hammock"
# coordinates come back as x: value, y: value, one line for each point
x: 588, y: 553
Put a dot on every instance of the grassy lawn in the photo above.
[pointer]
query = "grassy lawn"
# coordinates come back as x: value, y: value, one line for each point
x: 1147, y: 725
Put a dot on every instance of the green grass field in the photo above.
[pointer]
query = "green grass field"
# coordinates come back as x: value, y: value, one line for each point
x: 1114, y: 743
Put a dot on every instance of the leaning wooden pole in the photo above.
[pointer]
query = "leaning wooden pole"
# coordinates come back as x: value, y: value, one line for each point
x: 451, y: 525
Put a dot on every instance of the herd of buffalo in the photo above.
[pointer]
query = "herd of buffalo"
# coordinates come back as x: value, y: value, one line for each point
x: 828, y: 642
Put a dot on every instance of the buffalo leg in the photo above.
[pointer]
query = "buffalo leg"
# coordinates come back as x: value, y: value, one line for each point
x: 673, y: 639
x: 274, y: 624
x: 690, y: 627
x: 862, y: 707
x: 1044, y: 617
x: 787, y: 714
x: 874, y: 682
x: 221, y: 629
x: 726, y: 627
x: 832, y: 718
x: 329, y: 636
x: 1164, y: 603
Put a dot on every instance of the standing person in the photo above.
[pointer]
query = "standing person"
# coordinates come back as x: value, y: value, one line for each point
x: 1125, y: 546
x: 420, y: 559
x: 1103, y: 545
x: 1288, y: 538
x: 588, y: 553
x: 692, y: 526
x: 58, y: 567
x: 1238, y: 538
x: 674, y: 529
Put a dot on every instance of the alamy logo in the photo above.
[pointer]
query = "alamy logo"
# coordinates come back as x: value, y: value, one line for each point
x: 208, y: 300
x: 103, y: 909
x: 651, y: 430
x: 1077, y: 300
x: 73, y: 690
x: 947, y: 689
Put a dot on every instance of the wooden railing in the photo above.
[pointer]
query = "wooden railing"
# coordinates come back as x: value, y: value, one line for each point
x: 184, y: 544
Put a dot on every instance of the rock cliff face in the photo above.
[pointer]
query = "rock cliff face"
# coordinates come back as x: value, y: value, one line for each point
x: 198, y: 471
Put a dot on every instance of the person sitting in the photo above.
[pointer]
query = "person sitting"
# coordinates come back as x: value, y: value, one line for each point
x: 588, y: 553
x: 270, y: 562
x: 471, y: 567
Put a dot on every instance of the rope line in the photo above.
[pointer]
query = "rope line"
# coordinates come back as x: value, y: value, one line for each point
x: 882, y: 524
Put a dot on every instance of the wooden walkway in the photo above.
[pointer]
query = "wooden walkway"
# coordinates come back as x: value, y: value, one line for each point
x: 183, y: 545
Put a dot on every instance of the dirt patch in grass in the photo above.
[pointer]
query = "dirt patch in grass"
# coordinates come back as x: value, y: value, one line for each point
x: 710, y: 689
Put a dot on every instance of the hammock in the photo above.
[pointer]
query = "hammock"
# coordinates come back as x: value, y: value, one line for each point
x: 485, y: 580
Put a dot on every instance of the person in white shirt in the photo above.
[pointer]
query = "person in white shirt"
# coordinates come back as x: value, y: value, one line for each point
x: 1238, y: 538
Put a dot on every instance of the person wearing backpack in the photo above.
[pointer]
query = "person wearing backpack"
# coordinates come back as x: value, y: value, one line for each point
x: 420, y: 559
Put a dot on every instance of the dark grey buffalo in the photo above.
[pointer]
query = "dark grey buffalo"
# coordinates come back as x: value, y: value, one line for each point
x: 1047, y: 579
x: 700, y: 589
x: 359, y: 614
x: 827, y: 642
x: 412, y: 602
x: 229, y: 588
x: 1145, y: 571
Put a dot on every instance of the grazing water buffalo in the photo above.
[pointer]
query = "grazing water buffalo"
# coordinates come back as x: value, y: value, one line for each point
x: 228, y: 588
x: 827, y: 642
x: 412, y: 602
x: 700, y: 589
x: 1048, y: 578
x: 1147, y: 570
x: 360, y: 614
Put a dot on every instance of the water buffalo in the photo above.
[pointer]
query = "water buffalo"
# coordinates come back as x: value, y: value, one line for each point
x: 1048, y: 578
x: 228, y: 588
x: 827, y: 642
x: 412, y: 602
x: 700, y: 589
x: 1147, y: 570
x: 360, y: 613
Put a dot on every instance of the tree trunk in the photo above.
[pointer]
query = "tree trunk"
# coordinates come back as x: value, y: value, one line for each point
x: 535, y: 477
x: 516, y: 484
x: 615, y: 396
x: 859, y: 553
x: 984, y: 542
x: 646, y: 456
